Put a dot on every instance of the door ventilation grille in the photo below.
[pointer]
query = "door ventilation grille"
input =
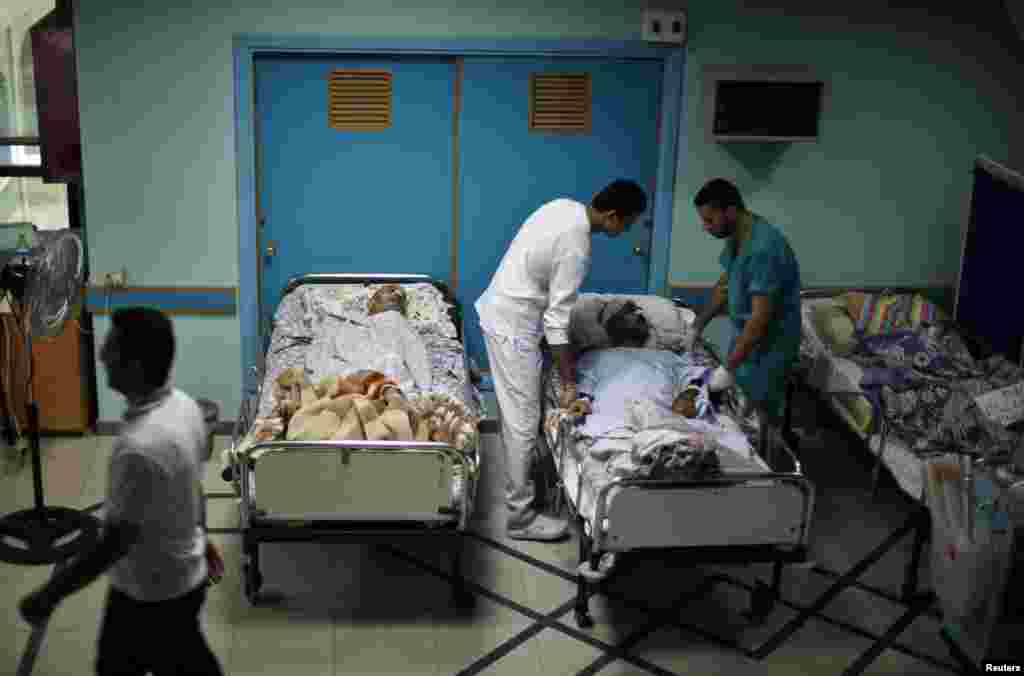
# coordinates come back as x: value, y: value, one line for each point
x: 560, y: 103
x: 359, y: 100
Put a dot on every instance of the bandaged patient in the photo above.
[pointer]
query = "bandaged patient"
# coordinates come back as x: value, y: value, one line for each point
x: 386, y: 343
x: 403, y: 356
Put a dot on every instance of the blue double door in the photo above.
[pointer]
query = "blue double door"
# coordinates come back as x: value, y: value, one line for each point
x: 442, y: 191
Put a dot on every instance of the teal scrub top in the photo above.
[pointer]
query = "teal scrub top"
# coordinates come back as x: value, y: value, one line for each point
x: 766, y: 265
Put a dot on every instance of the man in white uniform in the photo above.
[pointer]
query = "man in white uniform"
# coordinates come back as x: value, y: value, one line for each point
x: 152, y: 542
x: 531, y: 296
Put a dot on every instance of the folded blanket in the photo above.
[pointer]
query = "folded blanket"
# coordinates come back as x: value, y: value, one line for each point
x: 662, y: 454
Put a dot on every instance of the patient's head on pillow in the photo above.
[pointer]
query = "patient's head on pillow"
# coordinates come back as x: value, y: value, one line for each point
x: 388, y: 297
x: 627, y: 326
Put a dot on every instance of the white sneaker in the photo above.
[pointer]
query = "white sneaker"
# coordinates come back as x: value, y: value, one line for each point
x: 542, y: 528
x: 604, y: 567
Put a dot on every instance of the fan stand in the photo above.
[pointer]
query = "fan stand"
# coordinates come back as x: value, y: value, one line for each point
x: 42, y: 534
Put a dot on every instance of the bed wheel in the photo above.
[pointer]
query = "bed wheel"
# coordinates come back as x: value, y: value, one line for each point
x: 762, y: 602
x: 583, y: 619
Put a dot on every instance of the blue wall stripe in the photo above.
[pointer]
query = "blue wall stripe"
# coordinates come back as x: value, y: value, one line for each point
x: 98, y: 300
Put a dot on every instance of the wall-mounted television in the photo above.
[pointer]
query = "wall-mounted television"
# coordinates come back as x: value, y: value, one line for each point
x: 763, y: 104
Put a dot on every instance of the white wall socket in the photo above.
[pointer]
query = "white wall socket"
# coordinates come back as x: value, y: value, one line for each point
x: 664, y: 25
x: 117, y: 279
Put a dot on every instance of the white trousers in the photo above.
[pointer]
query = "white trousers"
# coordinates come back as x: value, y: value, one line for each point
x: 516, y: 370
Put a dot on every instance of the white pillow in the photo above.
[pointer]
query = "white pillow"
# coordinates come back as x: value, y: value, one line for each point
x: 670, y: 325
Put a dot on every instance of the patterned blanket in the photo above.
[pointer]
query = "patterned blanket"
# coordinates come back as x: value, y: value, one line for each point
x: 924, y: 383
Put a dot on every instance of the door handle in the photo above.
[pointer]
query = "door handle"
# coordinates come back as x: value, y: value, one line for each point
x: 272, y: 249
x: 638, y: 251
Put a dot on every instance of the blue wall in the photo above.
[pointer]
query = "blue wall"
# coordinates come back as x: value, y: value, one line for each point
x: 908, y: 113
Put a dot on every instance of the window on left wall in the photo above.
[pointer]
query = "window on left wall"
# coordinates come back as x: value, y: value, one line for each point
x: 24, y: 196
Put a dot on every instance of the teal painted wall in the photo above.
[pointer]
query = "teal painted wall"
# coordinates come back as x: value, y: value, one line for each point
x: 157, y: 113
x: 882, y: 196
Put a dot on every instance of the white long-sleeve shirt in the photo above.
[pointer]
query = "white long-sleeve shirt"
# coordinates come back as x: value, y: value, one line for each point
x: 538, y: 279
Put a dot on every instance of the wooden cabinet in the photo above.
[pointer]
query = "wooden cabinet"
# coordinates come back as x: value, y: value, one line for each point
x: 62, y: 381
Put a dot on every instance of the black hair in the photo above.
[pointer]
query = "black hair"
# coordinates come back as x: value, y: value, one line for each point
x: 720, y: 194
x: 627, y: 327
x: 146, y: 335
x: 626, y: 198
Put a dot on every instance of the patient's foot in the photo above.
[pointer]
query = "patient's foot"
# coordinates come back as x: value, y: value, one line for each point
x: 542, y: 529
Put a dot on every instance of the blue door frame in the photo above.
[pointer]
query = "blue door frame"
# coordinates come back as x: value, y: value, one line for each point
x: 248, y: 46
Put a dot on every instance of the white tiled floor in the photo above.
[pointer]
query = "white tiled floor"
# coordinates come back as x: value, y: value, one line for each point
x: 354, y: 609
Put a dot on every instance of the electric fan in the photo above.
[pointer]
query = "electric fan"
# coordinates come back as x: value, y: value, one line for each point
x: 43, y: 286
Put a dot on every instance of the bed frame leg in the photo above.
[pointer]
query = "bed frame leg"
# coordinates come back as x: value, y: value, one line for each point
x: 777, y: 578
x: 764, y: 597
x: 252, y: 578
x: 462, y: 596
x: 914, y: 564
x: 583, y: 618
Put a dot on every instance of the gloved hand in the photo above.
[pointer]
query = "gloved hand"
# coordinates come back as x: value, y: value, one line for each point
x: 721, y: 379
x: 568, y: 395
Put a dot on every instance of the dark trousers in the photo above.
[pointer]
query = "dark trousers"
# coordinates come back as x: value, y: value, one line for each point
x: 162, y: 637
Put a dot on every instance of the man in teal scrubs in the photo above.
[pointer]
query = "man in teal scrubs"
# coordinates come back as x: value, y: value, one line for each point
x: 760, y: 289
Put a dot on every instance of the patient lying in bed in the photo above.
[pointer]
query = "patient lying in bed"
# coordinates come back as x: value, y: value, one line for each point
x: 387, y: 343
x: 638, y: 423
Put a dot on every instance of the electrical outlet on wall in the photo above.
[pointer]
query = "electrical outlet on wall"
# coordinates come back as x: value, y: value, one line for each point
x: 664, y: 25
x: 116, y: 279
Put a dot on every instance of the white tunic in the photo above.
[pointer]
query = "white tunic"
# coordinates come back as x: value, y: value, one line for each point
x: 155, y: 471
x: 538, y: 279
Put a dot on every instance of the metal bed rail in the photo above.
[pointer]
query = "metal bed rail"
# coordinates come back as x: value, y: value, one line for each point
x: 598, y: 534
x: 468, y: 460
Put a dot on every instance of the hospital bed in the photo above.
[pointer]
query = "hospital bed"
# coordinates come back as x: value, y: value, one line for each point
x: 617, y: 514
x: 353, y: 490
x: 838, y: 380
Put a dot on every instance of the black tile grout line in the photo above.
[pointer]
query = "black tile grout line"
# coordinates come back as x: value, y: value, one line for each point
x: 614, y: 596
x: 881, y: 593
x: 835, y: 589
x: 863, y: 633
x: 640, y: 606
x: 892, y: 633
x: 851, y: 628
x: 511, y: 644
x: 523, y: 610
x: 635, y: 637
